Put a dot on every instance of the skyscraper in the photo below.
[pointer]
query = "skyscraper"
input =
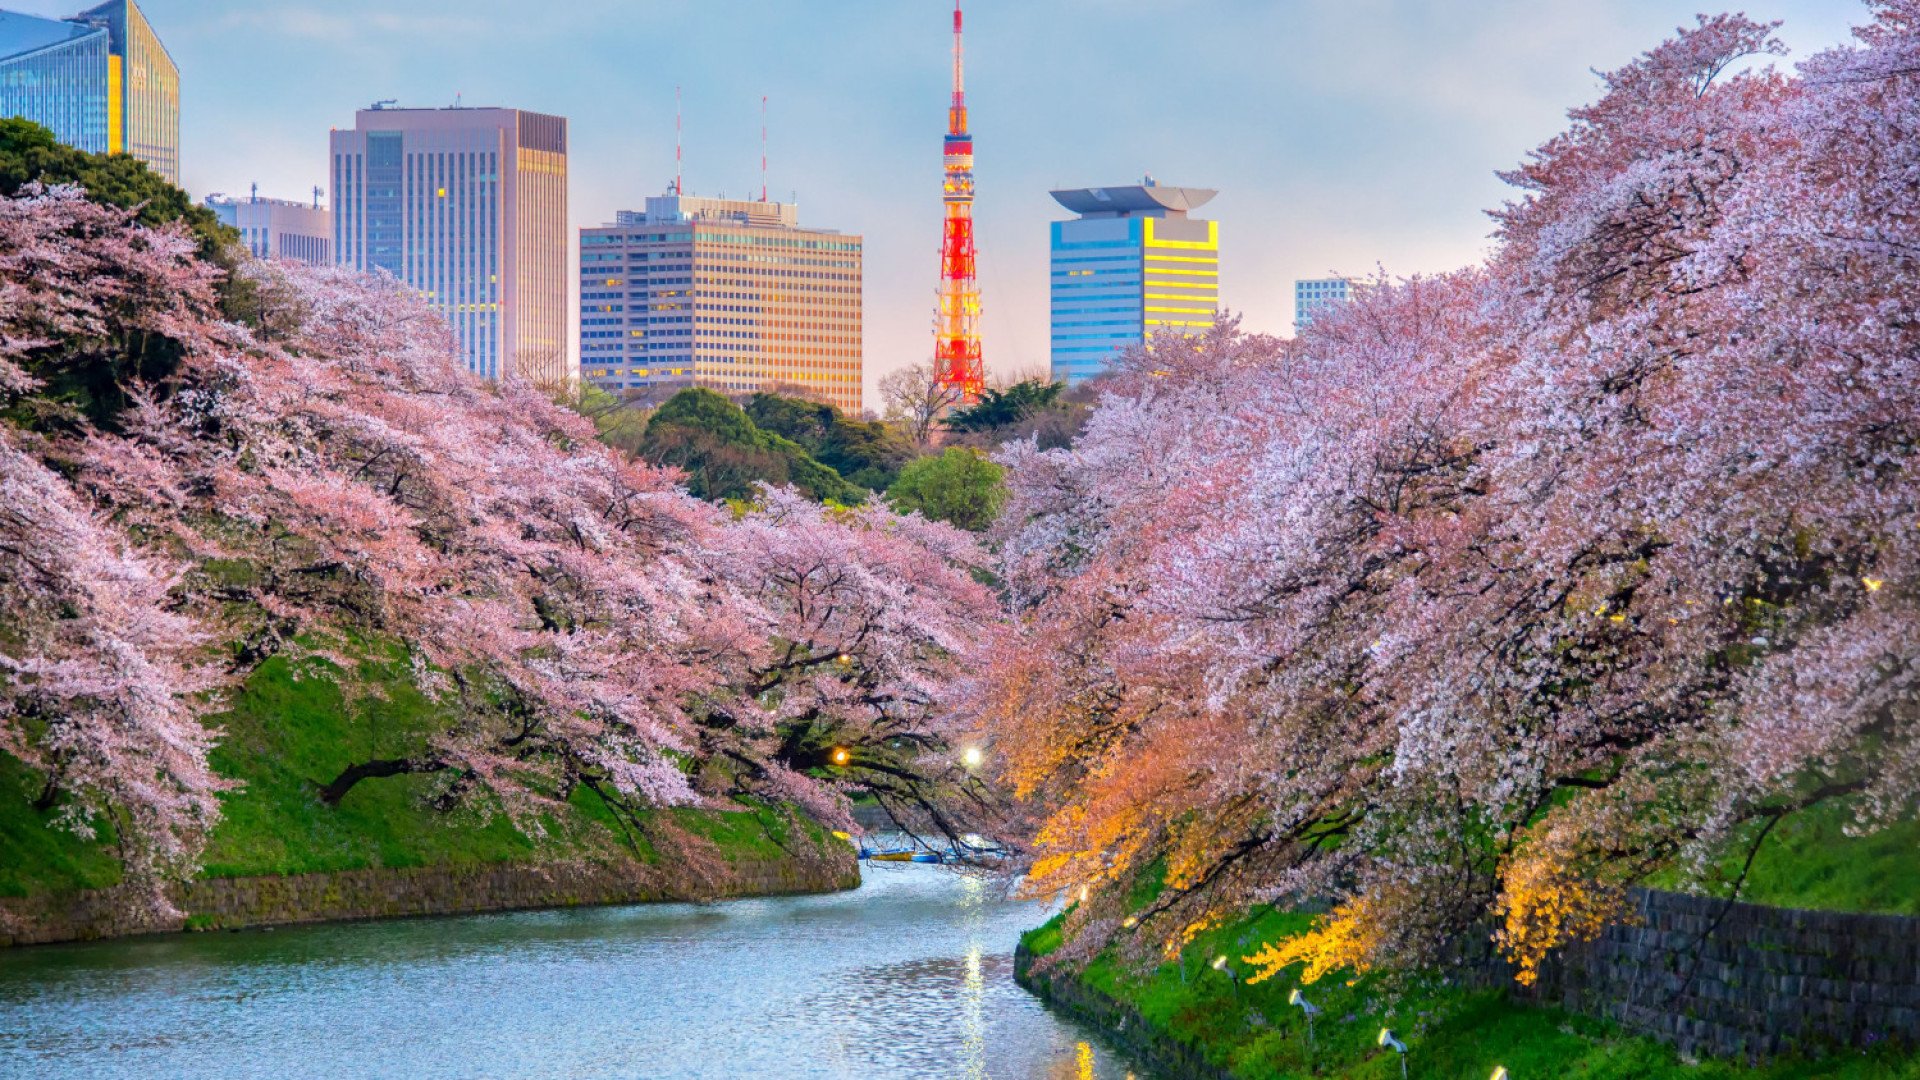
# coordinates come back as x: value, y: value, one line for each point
x: 1131, y: 268
x: 279, y: 228
x: 1312, y: 295
x: 101, y: 81
x: 468, y: 206
x: 729, y: 294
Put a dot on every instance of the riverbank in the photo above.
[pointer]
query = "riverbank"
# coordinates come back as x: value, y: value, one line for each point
x: 1189, y: 1018
x: 908, y: 976
x: 282, y: 854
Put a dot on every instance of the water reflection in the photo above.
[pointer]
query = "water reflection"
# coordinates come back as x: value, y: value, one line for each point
x: 911, y: 976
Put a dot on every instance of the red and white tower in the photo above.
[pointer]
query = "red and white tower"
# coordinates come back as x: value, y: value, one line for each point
x: 957, y: 359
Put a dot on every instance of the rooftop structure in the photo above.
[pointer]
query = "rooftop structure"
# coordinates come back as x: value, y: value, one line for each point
x: 279, y: 228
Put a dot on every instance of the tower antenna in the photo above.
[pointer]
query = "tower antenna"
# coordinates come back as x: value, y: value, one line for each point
x: 958, y: 360
x: 679, y: 159
x: 763, y: 148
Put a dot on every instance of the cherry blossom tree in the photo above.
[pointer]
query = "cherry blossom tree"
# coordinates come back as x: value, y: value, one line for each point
x: 1495, y: 592
x: 859, y: 622
x: 584, y: 621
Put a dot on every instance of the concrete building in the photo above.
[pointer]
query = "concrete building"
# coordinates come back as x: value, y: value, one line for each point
x: 1311, y: 296
x: 728, y: 294
x: 468, y: 206
x: 1134, y: 266
x: 278, y: 228
x: 101, y: 81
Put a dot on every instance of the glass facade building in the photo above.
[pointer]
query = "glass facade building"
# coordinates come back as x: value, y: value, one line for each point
x: 469, y: 207
x: 728, y: 294
x: 279, y: 229
x: 1132, y: 267
x: 1310, y: 296
x: 101, y: 81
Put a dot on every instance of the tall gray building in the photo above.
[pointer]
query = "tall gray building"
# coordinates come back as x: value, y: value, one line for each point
x: 279, y: 228
x: 468, y: 206
x: 101, y: 81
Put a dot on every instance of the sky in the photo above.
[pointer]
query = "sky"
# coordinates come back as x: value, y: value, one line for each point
x: 1344, y: 136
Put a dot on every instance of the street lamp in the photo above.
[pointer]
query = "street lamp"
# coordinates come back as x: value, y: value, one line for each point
x: 1387, y: 1039
x: 841, y: 755
x: 1308, y: 1007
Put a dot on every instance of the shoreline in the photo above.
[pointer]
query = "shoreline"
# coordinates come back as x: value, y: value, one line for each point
x: 240, y: 903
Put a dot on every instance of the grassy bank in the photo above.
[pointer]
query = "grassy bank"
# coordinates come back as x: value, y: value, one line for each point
x: 291, y: 730
x: 1453, y: 1033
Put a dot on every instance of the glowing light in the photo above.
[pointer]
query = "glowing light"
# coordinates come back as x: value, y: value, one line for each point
x: 841, y: 755
x: 972, y: 757
x: 1083, y: 894
x: 1499, y: 1073
x: 844, y: 660
x: 1130, y: 922
x: 1220, y: 963
x: 1873, y: 584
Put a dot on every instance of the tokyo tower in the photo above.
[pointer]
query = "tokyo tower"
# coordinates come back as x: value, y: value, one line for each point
x: 957, y: 359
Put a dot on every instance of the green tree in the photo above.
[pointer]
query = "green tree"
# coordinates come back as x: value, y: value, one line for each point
x: 724, y: 454
x: 869, y: 454
x: 960, y: 486
x: 622, y: 423
x: 1004, y: 408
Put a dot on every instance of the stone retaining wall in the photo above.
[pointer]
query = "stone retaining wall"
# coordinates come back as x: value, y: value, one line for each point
x: 229, y: 903
x: 1743, y: 980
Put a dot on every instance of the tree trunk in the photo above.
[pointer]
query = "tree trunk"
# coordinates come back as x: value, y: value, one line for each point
x: 374, y: 770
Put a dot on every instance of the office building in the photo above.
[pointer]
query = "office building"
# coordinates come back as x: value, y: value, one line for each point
x: 101, y: 81
x: 729, y: 294
x: 1133, y: 267
x: 1311, y: 296
x: 278, y: 228
x: 468, y: 206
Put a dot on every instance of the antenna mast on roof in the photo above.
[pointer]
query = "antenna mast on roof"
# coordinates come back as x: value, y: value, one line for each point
x: 678, y: 157
x: 763, y: 148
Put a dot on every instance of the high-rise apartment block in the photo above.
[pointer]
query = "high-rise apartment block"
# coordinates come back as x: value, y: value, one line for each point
x: 729, y: 294
x: 1310, y: 296
x: 1134, y: 266
x: 278, y: 228
x: 101, y: 81
x: 469, y: 207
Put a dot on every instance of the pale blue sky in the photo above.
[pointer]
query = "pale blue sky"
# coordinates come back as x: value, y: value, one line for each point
x: 1341, y: 133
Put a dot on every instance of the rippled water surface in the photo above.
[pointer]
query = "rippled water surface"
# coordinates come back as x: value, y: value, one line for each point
x: 909, y: 976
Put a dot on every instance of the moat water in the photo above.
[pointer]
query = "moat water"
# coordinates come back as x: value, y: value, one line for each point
x: 911, y: 975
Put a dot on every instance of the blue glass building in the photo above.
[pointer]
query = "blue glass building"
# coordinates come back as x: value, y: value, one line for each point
x: 101, y: 81
x: 1133, y: 266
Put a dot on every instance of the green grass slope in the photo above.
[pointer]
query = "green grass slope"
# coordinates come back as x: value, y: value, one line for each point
x: 290, y: 730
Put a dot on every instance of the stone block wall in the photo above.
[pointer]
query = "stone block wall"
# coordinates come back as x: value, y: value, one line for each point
x: 232, y: 903
x: 1746, y: 981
